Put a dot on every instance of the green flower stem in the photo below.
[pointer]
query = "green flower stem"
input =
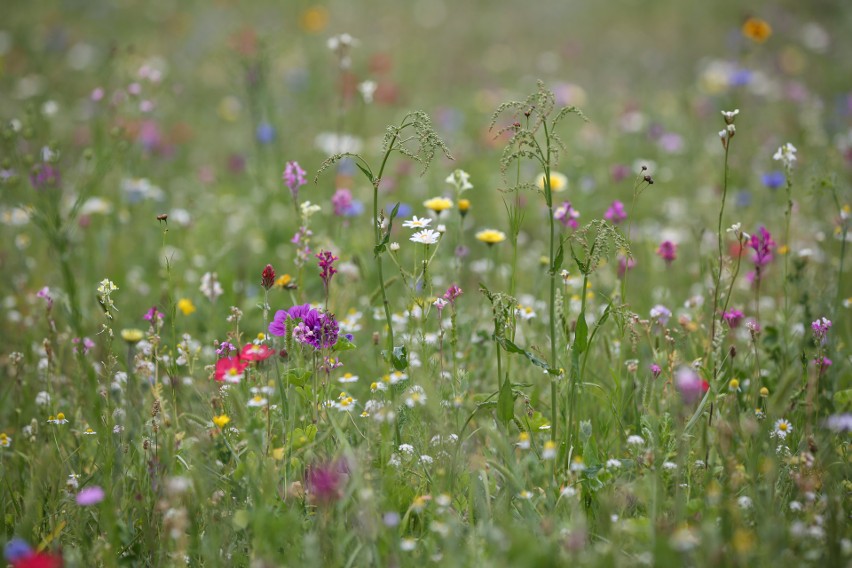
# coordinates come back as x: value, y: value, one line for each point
x: 714, y: 316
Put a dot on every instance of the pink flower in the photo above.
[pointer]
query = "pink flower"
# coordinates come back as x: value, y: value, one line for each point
x: 90, y: 496
x: 667, y: 251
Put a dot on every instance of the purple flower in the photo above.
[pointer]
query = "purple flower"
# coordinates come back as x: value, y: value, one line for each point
x: 226, y: 348
x: 326, y: 265
x: 567, y: 215
x: 17, y: 549
x: 294, y: 177
x: 625, y: 264
x: 452, y: 293
x: 152, y: 314
x: 45, y: 175
x: 773, y: 180
x: 661, y: 314
x: 655, y: 370
x: 820, y: 328
x: 762, y: 244
x: 616, y: 213
x: 689, y: 385
x: 320, y: 330
x: 90, y: 496
x: 342, y: 202
x: 667, y: 251
x: 325, y: 482
x: 44, y: 294
x: 87, y: 345
x: 733, y: 318
x: 839, y: 422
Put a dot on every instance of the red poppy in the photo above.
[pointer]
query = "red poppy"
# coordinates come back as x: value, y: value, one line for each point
x: 255, y: 352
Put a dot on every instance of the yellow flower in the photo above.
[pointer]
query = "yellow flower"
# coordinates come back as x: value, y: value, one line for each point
x: 757, y: 30
x: 438, y: 204
x: 314, y: 19
x: 764, y: 392
x: 734, y: 385
x: 464, y: 206
x: 221, y: 420
x: 132, y: 335
x: 491, y: 236
x: 285, y: 281
x: 558, y: 182
x: 186, y: 306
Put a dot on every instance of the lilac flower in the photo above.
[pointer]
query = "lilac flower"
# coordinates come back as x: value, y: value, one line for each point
x: 822, y: 364
x: 83, y: 345
x: 225, y: 349
x: 733, y: 318
x: 625, y: 264
x: 655, y: 370
x: 452, y: 293
x: 320, y: 330
x: 567, y: 215
x: 342, y: 202
x: 326, y: 265
x: 152, y: 314
x: 820, y: 328
x: 45, y: 175
x: 773, y: 180
x: 689, y: 385
x: 661, y: 314
x: 762, y: 244
x: 44, y: 294
x: 90, y: 496
x: 294, y: 177
x: 839, y: 422
x: 667, y: 251
x: 616, y: 213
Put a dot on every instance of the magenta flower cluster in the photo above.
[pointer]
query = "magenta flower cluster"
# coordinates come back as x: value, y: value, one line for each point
x: 294, y: 177
x: 309, y: 326
x: 326, y: 264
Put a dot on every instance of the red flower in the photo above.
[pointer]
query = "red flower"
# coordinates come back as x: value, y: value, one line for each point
x: 38, y: 560
x: 254, y: 352
x: 230, y: 369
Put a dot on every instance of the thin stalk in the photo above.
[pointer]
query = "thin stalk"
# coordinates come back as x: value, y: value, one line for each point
x: 721, y: 259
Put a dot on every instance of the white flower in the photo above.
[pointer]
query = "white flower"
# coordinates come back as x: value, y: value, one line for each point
x: 42, y: 398
x: 345, y: 403
x: 613, y: 463
x: 394, y: 246
x: 525, y: 312
x: 417, y: 223
x: 348, y: 378
x: 257, y: 401
x: 407, y: 449
x: 635, y: 440
x: 210, y: 286
x: 426, y: 460
x: 730, y: 115
x: 669, y: 465
x: 415, y: 396
x: 549, y: 451
x: 460, y: 179
x: 744, y: 502
x: 786, y: 154
x: 426, y: 237
x: 309, y: 209
x: 367, y: 90
x: 440, y: 303
x: 781, y: 429
x: 408, y: 544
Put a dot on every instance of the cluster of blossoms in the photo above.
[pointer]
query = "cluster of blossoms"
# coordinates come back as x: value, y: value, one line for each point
x: 567, y: 215
x: 307, y: 325
x: 762, y: 244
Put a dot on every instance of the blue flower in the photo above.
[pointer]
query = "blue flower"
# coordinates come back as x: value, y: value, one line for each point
x: 773, y: 180
x: 265, y: 133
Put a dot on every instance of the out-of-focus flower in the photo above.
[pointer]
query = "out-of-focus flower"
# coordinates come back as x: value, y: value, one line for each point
x: 491, y: 236
x: 757, y: 30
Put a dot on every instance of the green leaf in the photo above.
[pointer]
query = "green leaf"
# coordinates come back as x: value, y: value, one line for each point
x: 843, y: 398
x: 506, y: 402
x: 581, y: 333
x: 557, y: 262
x: 297, y: 377
x: 399, y: 358
x: 241, y: 519
x: 367, y: 172
x: 343, y: 344
x: 510, y: 347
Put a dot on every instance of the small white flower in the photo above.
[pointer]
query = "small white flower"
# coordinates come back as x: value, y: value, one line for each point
x: 635, y: 440
x: 367, y: 90
x: 417, y: 223
x: 415, y: 396
x: 394, y: 246
x: 781, y: 429
x: 669, y: 465
x: 613, y: 463
x: 426, y: 237
x: 744, y: 502
x: 549, y: 451
x: 786, y: 154
x: 408, y: 544
x: 257, y: 401
x: 730, y: 115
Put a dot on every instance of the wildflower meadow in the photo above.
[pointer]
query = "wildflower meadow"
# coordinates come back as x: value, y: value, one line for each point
x: 425, y: 283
